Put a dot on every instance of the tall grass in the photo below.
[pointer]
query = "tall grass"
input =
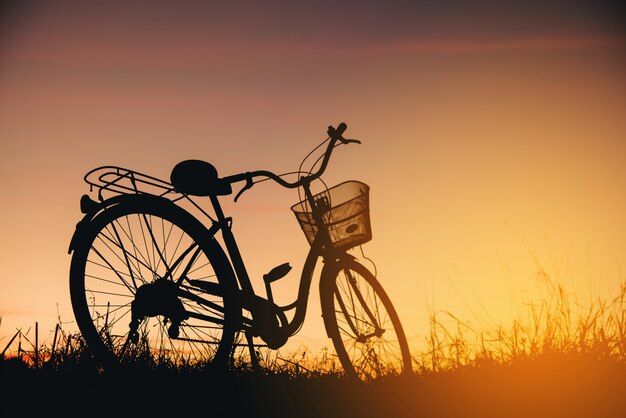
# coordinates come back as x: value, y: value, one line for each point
x: 556, y: 324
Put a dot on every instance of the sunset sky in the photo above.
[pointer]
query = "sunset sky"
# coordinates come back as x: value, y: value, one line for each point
x: 493, y: 138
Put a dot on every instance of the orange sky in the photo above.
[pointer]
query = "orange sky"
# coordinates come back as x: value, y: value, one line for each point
x: 489, y: 133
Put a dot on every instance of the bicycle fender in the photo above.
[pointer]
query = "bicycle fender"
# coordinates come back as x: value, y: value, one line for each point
x: 77, y: 233
x: 91, y: 208
x: 325, y: 289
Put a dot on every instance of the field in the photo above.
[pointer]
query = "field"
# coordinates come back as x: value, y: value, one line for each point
x: 561, y: 360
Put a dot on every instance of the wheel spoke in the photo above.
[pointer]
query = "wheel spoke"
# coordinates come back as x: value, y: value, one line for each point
x: 140, y: 263
x: 113, y: 269
x: 155, y: 246
x: 193, y: 259
x: 121, y: 245
x: 137, y: 253
x: 344, y: 311
x: 362, y: 303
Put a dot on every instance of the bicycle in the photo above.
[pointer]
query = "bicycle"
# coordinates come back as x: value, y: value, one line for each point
x: 148, y: 278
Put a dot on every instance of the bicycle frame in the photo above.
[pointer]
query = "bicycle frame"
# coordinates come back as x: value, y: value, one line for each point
x: 320, y: 248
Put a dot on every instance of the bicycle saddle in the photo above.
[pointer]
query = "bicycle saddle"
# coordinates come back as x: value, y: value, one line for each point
x: 198, y: 178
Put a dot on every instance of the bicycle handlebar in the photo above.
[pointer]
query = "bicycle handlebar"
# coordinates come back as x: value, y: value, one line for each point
x: 335, y: 135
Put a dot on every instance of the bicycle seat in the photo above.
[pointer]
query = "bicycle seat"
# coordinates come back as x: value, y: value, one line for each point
x: 198, y: 178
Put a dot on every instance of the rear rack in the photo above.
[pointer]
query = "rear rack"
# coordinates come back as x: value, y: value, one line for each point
x: 118, y: 180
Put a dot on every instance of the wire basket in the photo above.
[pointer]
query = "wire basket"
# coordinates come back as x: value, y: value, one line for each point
x: 345, y: 211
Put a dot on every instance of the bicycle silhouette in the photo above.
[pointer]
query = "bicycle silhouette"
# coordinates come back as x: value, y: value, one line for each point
x: 148, y: 278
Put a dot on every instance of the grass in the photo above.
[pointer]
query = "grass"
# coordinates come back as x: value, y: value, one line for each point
x: 561, y: 358
x: 554, y: 325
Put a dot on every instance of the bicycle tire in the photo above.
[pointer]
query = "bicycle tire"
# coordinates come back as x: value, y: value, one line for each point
x: 118, y: 253
x: 362, y: 323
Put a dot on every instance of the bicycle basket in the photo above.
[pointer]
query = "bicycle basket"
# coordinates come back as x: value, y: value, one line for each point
x: 345, y: 211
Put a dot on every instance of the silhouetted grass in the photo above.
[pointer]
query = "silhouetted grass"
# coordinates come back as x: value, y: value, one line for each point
x: 561, y: 358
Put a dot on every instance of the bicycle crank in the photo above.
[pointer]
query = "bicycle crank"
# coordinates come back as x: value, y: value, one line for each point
x: 268, y: 322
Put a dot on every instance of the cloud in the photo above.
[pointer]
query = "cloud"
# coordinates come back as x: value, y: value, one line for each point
x: 491, y: 45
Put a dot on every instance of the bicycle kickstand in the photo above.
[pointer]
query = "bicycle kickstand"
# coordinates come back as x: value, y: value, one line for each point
x: 253, y: 357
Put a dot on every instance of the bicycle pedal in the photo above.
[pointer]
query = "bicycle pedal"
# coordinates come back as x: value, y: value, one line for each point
x: 274, y: 274
x: 277, y: 272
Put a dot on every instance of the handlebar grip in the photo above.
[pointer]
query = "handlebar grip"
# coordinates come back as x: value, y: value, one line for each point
x: 249, y: 184
x: 336, y: 133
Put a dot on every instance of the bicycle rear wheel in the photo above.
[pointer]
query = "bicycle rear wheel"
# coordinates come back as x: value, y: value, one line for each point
x: 362, y: 322
x: 147, y: 284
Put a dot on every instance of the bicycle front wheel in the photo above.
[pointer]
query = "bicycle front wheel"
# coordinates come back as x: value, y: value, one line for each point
x: 362, y: 322
x: 147, y: 284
